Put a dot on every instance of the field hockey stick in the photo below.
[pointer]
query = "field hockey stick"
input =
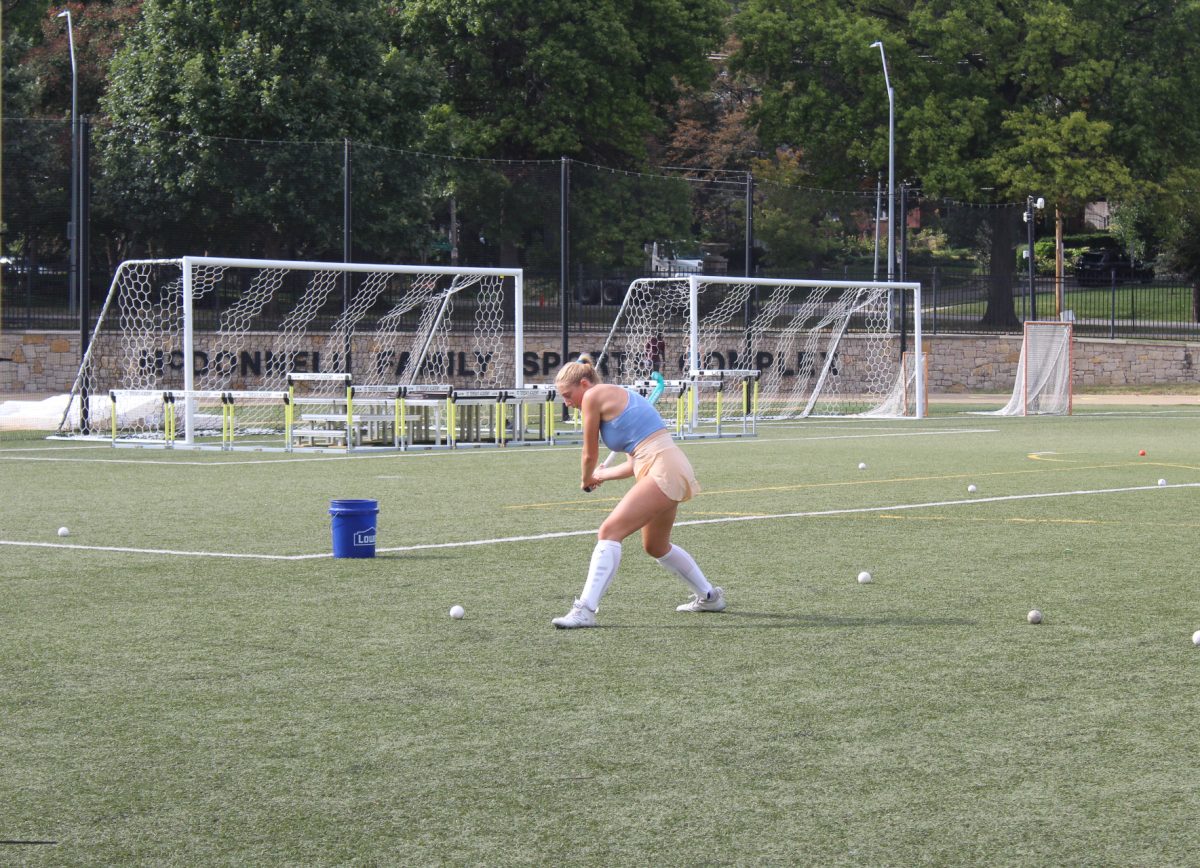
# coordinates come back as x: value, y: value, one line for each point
x: 659, y: 385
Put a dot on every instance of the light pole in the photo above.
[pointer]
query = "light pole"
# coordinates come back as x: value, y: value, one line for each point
x: 73, y: 224
x: 891, y: 161
x: 1031, y: 204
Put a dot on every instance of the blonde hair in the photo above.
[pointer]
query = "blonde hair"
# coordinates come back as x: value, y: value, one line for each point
x: 581, y: 369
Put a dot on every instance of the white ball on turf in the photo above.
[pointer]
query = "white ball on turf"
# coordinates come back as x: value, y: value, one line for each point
x: 62, y: 531
x: 1034, y: 616
x: 864, y: 578
x: 971, y: 489
x: 862, y: 465
x: 1196, y: 638
x: 1162, y: 482
x: 457, y: 612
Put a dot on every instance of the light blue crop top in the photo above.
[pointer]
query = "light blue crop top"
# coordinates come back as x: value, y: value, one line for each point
x: 636, y: 422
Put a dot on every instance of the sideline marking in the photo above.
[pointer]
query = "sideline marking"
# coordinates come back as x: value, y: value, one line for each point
x: 588, y: 532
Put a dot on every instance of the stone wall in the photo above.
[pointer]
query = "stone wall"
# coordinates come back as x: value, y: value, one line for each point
x: 46, y: 362
x: 988, y: 363
x: 38, y: 362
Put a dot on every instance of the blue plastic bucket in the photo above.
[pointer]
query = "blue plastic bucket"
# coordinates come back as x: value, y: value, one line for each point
x: 354, y: 528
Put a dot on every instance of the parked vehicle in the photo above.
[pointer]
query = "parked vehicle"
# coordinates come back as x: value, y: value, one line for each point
x: 1102, y: 267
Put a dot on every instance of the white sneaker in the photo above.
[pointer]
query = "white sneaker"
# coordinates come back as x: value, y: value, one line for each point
x: 579, y: 616
x: 714, y: 602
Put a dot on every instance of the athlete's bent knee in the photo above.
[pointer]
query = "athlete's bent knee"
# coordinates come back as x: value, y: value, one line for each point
x: 609, y: 530
x: 656, y: 549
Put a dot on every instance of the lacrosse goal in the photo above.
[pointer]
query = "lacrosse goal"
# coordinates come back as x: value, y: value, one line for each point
x: 1043, y: 382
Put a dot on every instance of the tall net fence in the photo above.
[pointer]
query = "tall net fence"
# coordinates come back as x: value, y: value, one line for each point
x: 582, y: 232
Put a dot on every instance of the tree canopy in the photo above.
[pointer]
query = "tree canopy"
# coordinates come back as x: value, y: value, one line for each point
x: 198, y: 82
x: 1071, y: 100
x: 549, y: 78
x: 1065, y: 99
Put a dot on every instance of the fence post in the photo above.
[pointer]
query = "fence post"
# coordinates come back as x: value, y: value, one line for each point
x: 347, y: 247
x: 1132, y: 307
x: 1112, y: 317
x: 83, y: 232
x: 749, y: 269
x: 564, y: 255
x: 934, y: 300
x: 1029, y: 214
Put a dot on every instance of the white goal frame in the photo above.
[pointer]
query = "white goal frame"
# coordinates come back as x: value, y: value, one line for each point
x: 799, y: 316
x: 164, y: 321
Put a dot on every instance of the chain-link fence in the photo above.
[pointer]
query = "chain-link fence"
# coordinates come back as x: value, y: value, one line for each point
x: 582, y: 232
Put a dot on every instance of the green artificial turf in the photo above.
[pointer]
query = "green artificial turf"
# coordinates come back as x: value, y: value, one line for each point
x: 185, y: 709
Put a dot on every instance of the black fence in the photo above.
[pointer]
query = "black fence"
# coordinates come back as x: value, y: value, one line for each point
x: 581, y: 232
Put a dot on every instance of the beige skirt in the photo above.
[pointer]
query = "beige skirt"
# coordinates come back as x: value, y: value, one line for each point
x: 659, y: 458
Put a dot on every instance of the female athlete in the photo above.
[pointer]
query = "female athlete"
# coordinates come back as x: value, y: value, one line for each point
x: 627, y: 422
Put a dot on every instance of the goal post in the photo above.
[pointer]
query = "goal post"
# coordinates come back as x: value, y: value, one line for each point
x: 820, y: 347
x: 1043, y: 384
x: 200, y: 324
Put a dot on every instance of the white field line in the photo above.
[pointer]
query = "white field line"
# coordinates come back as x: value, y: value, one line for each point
x: 16, y: 455
x: 572, y: 533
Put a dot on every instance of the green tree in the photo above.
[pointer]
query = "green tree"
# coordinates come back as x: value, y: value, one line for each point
x: 37, y: 56
x: 543, y: 79
x: 37, y: 85
x: 711, y: 136
x: 201, y: 91
x: 1065, y: 99
x: 534, y: 79
x: 803, y: 228
x: 1182, y: 232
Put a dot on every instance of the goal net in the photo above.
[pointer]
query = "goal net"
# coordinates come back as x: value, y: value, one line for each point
x: 1043, y: 384
x: 208, y: 328
x: 902, y: 400
x: 820, y: 348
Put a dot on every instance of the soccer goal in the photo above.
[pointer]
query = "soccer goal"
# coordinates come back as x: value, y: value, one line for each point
x: 1043, y: 383
x: 213, y: 344
x: 814, y: 347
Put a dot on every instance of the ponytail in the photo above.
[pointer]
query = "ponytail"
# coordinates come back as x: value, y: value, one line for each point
x: 584, y: 368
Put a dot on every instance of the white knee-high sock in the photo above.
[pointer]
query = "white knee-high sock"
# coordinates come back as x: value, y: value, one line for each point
x: 683, y: 566
x: 606, y: 557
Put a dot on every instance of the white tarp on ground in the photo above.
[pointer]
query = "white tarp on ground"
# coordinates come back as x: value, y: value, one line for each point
x: 46, y: 414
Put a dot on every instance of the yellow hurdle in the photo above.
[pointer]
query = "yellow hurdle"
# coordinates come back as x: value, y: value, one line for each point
x: 227, y: 425
x: 399, y: 421
x: 288, y: 417
x: 169, y: 419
